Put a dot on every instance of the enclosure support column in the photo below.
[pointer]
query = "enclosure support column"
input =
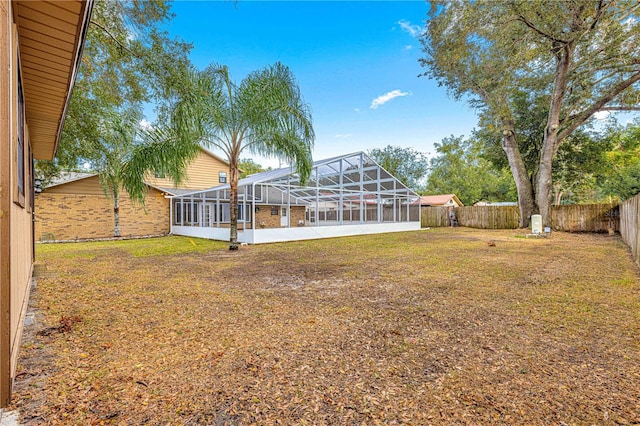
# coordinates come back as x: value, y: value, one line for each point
x: 218, y: 212
x: 171, y: 215
x: 394, y: 202
x: 288, y: 201
x: 407, y: 205
x: 192, y: 218
x: 379, y: 198
x: 362, y: 206
x: 253, y: 207
x: 201, y: 210
x: 340, y: 207
x: 317, y: 198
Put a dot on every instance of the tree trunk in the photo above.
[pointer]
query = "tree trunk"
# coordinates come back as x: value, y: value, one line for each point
x: 233, y: 202
x: 526, y: 201
x: 116, y: 214
x: 558, y: 193
x: 543, y: 183
x: 551, y: 142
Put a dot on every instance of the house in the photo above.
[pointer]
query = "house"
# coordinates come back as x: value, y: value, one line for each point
x: 75, y: 207
x: 345, y: 195
x: 41, y: 46
x: 444, y: 200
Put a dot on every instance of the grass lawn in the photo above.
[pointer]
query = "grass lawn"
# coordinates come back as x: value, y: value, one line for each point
x: 429, y: 327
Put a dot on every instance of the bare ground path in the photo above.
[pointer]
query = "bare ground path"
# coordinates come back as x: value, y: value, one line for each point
x: 431, y: 327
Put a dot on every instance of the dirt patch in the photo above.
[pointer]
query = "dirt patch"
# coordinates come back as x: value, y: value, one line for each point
x: 432, y: 327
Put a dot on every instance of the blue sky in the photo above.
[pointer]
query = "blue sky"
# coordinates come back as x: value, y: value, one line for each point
x: 356, y: 64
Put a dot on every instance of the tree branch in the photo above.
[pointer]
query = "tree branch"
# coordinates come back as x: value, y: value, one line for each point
x: 620, y: 108
x: 578, y: 119
x: 113, y: 38
x: 539, y: 31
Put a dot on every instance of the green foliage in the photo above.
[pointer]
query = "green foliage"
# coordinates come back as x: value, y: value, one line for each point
x: 406, y: 164
x: 116, y: 138
x: 127, y: 61
x: 619, y: 177
x: 250, y: 167
x: 459, y: 168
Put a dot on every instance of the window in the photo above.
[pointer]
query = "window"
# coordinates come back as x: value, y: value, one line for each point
x: 222, y: 177
x: 159, y: 174
x: 20, y: 149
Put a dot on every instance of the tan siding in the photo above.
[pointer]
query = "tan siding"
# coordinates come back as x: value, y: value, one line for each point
x: 21, y: 262
x: 202, y: 173
x: 16, y: 248
x: 6, y: 171
x: 70, y: 216
x: 88, y: 186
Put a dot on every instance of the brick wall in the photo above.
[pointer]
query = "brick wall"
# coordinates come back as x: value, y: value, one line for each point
x: 73, y: 216
x: 273, y: 221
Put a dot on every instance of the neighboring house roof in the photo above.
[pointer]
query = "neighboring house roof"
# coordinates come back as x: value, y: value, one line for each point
x: 51, y: 38
x: 174, y: 191
x: 496, y: 203
x: 439, y: 200
x: 68, y: 177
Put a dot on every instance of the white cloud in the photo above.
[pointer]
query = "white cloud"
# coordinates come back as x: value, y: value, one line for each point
x: 383, y: 99
x: 356, y: 109
x: 408, y: 47
x: 343, y: 135
x: 144, y: 124
x: 412, y: 30
x: 601, y: 115
x: 629, y: 23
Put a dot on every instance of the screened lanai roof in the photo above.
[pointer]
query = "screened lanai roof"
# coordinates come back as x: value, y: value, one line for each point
x: 343, y: 178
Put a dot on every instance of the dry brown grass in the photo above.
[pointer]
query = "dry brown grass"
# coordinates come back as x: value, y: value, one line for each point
x: 431, y: 327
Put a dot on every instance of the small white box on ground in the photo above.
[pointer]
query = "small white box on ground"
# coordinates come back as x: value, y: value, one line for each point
x: 536, y: 224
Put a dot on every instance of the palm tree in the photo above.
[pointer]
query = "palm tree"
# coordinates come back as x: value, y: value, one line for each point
x: 108, y: 153
x: 265, y: 114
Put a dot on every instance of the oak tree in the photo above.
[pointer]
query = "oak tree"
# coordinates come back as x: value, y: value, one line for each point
x: 581, y: 55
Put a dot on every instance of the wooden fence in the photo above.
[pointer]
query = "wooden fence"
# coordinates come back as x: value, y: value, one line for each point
x: 574, y: 218
x: 629, y: 224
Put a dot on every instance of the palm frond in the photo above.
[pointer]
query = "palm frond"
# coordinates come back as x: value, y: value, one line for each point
x: 163, y: 149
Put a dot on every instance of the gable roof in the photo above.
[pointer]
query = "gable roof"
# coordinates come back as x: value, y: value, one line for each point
x: 68, y: 177
x: 438, y: 200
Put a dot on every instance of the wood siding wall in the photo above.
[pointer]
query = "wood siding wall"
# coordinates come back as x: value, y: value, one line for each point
x: 16, y: 231
x: 629, y: 224
x: 87, y: 186
x: 202, y: 172
x: 574, y: 218
x: 6, y: 171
